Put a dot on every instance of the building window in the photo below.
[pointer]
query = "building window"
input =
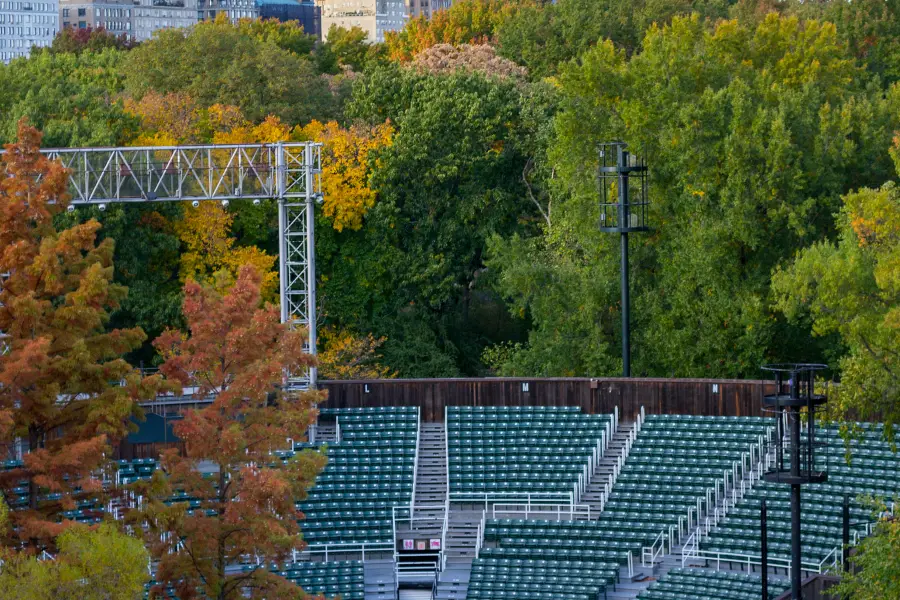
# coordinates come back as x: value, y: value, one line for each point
x: 82, y: 12
x: 65, y: 12
x: 82, y: 25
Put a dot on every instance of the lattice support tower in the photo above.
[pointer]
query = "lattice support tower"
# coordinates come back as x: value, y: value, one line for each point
x: 290, y: 173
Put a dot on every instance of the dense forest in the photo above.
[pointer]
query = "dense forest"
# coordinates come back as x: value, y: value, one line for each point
x: 459, y: 232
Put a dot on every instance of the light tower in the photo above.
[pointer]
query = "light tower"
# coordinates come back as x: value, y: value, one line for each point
x: 796, y: 464
x: 623, y: 210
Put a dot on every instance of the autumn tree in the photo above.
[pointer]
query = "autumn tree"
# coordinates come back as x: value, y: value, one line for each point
x: 76, y: 40
x: 70, y: 392
x: 345, y: 355
x: 466, y: 22
x: 444, y: 59
x: 238, y: 352
x: 92, y: 564
x: 346, y: 168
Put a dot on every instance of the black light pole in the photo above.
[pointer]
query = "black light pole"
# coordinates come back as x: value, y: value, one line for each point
x: 626, y: 175
x: 795, y: 391
x: 764, y: 549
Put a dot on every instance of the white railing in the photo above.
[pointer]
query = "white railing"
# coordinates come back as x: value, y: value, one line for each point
x: 479, y: 534
x: 412, y: 496
x: 329, y: 550
x: 571, y: 512
x: 444, y: 528
x: 529, y: 498
x: 693, y: 552
x: 650, y: 553
x: 620, y: 460
x: 337, y: 430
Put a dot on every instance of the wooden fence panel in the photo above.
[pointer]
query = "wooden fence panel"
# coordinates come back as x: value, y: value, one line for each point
x: 672, y: 396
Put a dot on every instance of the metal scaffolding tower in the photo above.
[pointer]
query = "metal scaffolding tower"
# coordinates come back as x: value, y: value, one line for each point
x: 287, y: 172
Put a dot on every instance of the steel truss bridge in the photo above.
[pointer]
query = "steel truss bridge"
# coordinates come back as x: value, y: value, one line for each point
x: 289, y: 173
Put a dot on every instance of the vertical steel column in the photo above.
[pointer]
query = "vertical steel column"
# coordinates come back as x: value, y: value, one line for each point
x: 845, y: 551
x: 282, y: 229
x: 309, y: 164
x: 796, y: 561
x: 622, y: 164
x: 764, y: 549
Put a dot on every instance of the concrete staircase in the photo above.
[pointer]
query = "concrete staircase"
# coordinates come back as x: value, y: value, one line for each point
x: 379, y: 580
x: 453, y: 582
x: 605, y: 467
x: 462, y: 535
x: 431, y: 475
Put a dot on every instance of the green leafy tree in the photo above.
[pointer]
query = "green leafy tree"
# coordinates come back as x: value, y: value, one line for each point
x: 72, y: 98
x: 92, y: 564
x: 874, y: 565
x: 752, y: 135
x: 851, y: 288
x: 411, y: 274
x: 240, y: 65
x: 545, y: 36
x: 349, y: 46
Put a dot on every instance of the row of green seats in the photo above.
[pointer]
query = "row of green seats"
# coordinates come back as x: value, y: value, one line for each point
x: 704, y: 584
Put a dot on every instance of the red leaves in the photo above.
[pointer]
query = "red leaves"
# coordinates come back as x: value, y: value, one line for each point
x: 54, y: 307
x: 237, y: 351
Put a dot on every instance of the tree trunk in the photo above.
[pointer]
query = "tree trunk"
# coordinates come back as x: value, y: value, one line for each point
x: 220, y: 516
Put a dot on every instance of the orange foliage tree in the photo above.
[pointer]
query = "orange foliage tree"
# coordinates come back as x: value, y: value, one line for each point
x: 346, y: 169
x: 348, y: 356
x: 466, y: 22
x: 59, y: 378
x: 238, y: 352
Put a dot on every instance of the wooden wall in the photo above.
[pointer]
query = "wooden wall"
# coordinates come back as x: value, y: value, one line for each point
x: 685, y: 396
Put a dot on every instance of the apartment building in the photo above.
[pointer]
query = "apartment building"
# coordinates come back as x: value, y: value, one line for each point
x: 24, y: 24
x: 234, y: 9
x: 152, y: 15
x: 306, y: 12
x: 112, y: 15
x: 375, y: 17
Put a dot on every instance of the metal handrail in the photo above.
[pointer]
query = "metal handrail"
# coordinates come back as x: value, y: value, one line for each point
x: 344, y: 548
x: 573, y: 511
x: 412, y: 496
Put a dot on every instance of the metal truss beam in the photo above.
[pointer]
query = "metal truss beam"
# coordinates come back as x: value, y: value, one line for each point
x: 287, y: 172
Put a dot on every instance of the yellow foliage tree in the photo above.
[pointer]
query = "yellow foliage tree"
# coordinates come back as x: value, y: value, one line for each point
x: 345, y: 168
x: 211, y: 254
x: 345, y: 355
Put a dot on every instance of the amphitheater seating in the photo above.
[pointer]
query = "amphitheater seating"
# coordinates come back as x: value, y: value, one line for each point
x: 874, y: 470
x: 137, y: 469
x: 673, y: 462
x: 703, y: 584
x: 343, y: 578
x: 495, y: 578
x: 496, y: 450
x: 339, y: 578
x: 368, y: 472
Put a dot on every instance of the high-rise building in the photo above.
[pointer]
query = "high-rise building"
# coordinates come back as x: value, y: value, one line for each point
x: 305, y: 11
x: 375, y: 17
x: 112, y: 15
x: 24, y: 24
x: 152, y: 15
x: 426, y: 8
x: 234, y: 9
